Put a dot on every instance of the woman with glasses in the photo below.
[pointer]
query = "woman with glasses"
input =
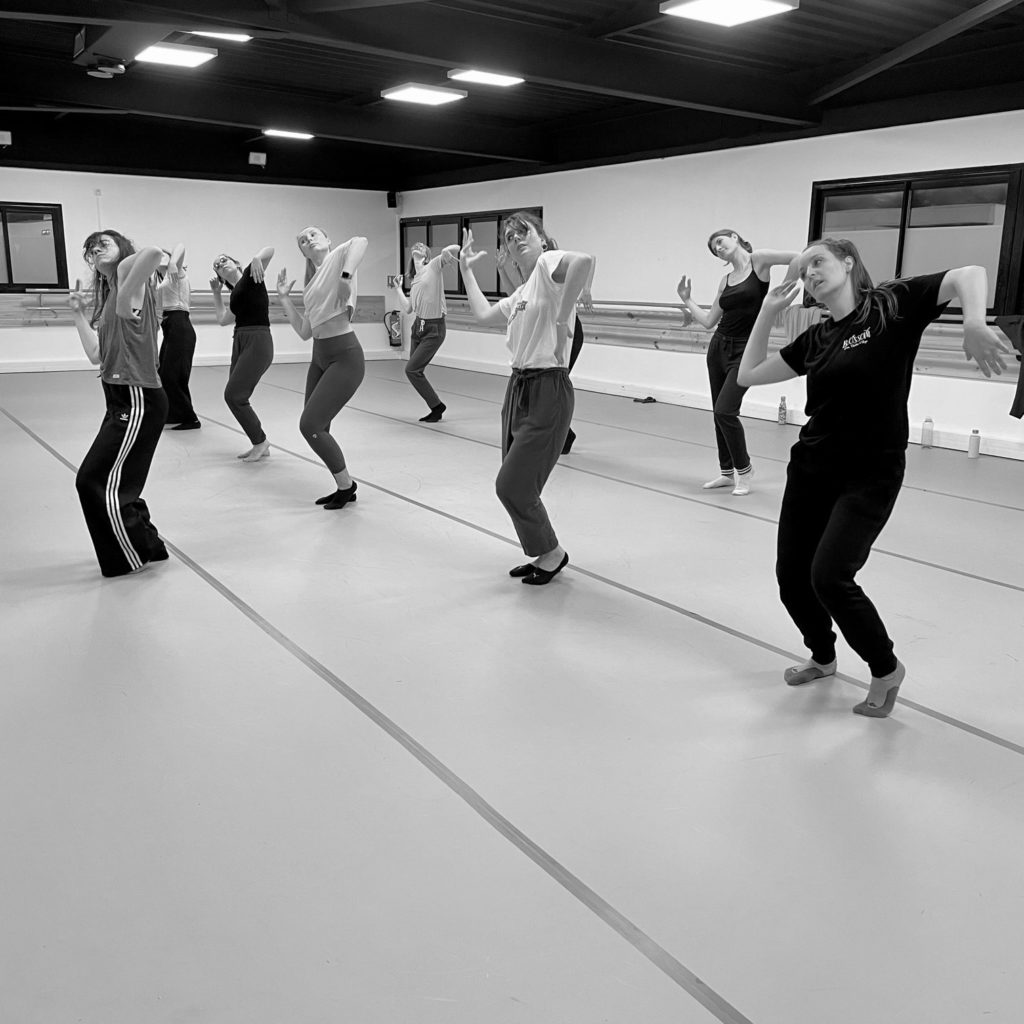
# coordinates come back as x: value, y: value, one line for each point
x: 120, y: 336
x: 179, y: 339
x: 535, y: 417
x: 252, y: 349
x: 337, y: 367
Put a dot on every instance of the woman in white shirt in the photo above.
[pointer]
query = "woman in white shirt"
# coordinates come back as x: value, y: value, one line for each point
x: 535, y: 417
x: 426, y: 300
x: 337, y: 366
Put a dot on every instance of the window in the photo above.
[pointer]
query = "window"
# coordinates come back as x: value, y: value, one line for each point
x: 437, y: 232
x: 32, y: 254
x: 920, y: 223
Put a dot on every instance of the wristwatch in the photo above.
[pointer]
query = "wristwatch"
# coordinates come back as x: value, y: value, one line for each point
x: 346, y: 276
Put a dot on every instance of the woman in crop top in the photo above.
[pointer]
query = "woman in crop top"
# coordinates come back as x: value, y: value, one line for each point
x: 120, y: 336
x: 733, y: 313
x: 173, y: 297
x: 846, y: 468
x: 539, y: 400
x: 337, y: 366
x: 252, y: 349
x: 426, y: 301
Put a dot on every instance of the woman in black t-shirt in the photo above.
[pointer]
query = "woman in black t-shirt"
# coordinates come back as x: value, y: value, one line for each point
x: 733, y: 313
x: 846, y: 468
x: 252, y: 350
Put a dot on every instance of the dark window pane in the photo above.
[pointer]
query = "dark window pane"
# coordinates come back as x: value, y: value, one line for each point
x: 442, y: 234
x: 33, y: 254
x: 485, y: 239
x: 870, y: 220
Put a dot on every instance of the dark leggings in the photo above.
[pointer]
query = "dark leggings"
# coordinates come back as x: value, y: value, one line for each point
x: 535, y: 418
x: 426, y: 338
x: 252, y: 352
x: 335, y: 373
x: 724, y: 355
x: 832, y: 513
x: 175, y: 366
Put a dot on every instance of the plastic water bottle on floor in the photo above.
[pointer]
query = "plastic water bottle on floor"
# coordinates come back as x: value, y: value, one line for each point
x: 782, y: 410
x: 974, y: 445
x: 927, y: 432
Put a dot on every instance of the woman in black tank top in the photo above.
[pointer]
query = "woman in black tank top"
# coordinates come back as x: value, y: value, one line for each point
x: 252, y: 348
x: 733, y: 314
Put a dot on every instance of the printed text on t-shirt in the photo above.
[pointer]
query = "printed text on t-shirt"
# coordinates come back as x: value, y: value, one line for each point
x: 857, y: 339
x: 519, y: 307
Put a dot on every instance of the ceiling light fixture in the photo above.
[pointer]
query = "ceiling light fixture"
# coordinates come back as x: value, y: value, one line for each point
x: 280, y: 133
x: 231, y: 37
x: 727, y: 12
x: 484, y: 77
x: 431, y: 95
x: 176, y: 54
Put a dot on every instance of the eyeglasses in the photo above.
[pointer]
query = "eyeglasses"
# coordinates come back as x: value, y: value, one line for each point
x: 222, y: 261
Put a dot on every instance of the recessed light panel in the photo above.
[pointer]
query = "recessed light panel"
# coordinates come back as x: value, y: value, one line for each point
x: 280, y: 133
x: 231, y: 37
x: 727, y: 12
x: 431, y: 95
x: 484, y: 77
x: 176, y: 54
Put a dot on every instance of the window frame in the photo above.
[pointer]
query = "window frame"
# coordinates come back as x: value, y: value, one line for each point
x: 1008, y: 296
x: 56, y: 212
x: 463, y: 219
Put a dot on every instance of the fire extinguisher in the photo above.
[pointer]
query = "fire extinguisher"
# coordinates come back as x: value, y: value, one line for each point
x: 393, y: 323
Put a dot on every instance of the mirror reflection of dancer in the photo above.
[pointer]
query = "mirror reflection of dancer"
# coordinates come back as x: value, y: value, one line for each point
x: 426, y: 301
x: 179, y: 339
x: 733, y: 314
x: 252, y: 349
x: 846, y: 468
x: 337, y: 366
x: 511, y: 276
x: 538, y: 405
x: 120, y: 336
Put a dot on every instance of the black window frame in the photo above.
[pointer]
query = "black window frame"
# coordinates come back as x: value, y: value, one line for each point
x: 463, y: 219
x: 1008, y: 298
x: 56, y: 212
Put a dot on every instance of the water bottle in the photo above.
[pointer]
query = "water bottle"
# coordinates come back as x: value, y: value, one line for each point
x: 782, y: 410
x: 974, y: 445
x: 927, y: 432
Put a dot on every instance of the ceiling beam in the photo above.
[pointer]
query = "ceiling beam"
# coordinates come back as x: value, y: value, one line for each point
x: 328, y: 6
x: 948, y: 30
x: 148, y: 94
x: 444, y: 38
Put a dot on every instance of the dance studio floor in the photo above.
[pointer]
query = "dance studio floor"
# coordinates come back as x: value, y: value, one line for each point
x: 339, y: 768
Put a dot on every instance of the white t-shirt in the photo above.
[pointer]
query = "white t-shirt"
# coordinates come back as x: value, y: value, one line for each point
x: 427, y: 292
x: 532, y: 309
x: 173, y: 292
x: 320, y: 296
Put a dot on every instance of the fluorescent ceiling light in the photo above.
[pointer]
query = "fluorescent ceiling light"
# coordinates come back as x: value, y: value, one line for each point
x: 483, y: 77
x: 431, y: 95
x: 176, y: 54
x: 231, y: 37
x: 727, y: 12
x: 279, y: 133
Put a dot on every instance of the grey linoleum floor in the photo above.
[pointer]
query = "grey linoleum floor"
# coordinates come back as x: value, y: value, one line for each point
x: 328, y: 767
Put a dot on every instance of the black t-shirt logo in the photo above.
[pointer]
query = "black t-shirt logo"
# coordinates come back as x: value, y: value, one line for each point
x: 857, y: 339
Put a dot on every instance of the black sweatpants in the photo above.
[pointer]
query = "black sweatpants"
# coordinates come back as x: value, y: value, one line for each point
x: 535, y: 418
x: 426, y: 338
x: 723, y: 359
x: 252, y: 352
x: 112, y: 475
x: 832, y: 512
x: 175, y: 366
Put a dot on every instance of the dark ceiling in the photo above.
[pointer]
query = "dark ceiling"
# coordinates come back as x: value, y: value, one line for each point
x: 606, y: 81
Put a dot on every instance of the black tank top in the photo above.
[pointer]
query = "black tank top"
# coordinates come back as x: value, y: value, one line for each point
x: 250, y: 303
x: 740, y: 305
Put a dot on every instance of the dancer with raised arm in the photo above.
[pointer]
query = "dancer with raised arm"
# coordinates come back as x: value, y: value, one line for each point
x: 538, y: 406
x: 426, y: 301
x: 337, y: 366
x: 120, y: 337
x: 179, y: 339
x: 252, y: 349
x: 732, y: 315
x: 846, y: 468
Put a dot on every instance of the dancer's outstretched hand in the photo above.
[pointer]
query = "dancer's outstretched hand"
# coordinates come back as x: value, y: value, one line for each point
x: 256, y: 269
x: 780, y: 297
x: 78, y: 300
x: 683, y: 288
x: 216, y: 285
x: 467, y: 257
x: 985, y: 347
x: 284, y: 286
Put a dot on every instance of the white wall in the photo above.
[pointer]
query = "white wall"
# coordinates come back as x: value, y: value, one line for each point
x: 647, y: 223
x: 210, y: 217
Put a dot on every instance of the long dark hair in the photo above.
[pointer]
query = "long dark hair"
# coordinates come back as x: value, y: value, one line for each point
x: 727, y: 231
x: 866, y: 295
x: 100, y: 282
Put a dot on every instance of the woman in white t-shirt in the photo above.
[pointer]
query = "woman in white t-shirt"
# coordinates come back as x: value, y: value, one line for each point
x: 426, y: 301
x: 535, y: 417
x: 337, y: 366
